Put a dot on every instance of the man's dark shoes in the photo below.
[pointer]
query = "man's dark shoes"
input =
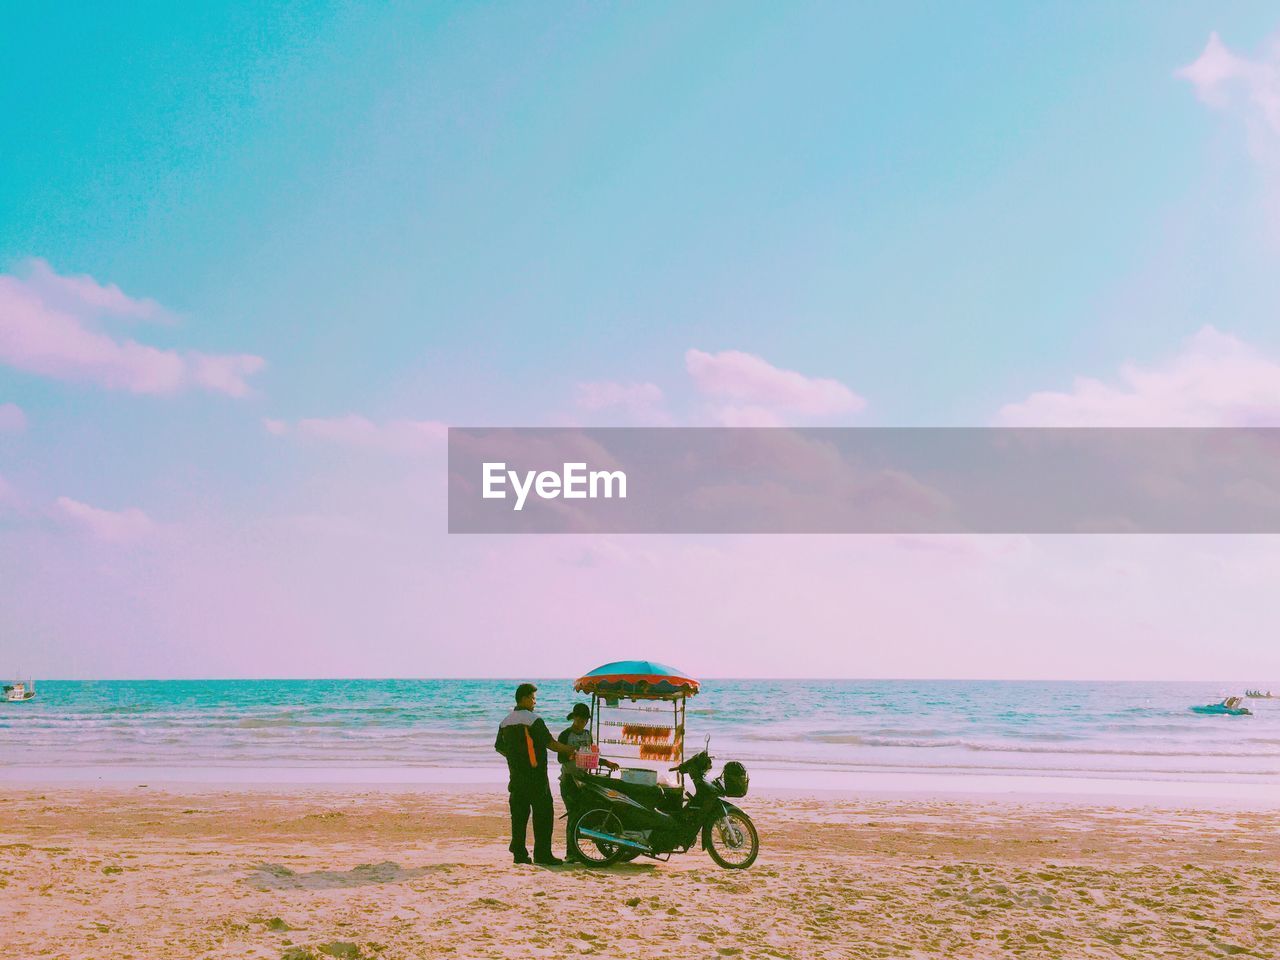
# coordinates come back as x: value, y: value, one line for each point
x: 549, y: 862
x: 522, y: 859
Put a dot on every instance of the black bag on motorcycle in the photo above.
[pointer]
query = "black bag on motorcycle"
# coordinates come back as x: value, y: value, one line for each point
x: 735, y: 779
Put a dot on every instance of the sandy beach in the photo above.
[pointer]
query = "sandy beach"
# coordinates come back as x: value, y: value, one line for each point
x: 167, y: 872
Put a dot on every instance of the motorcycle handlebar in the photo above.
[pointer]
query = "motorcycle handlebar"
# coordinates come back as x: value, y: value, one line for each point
x: 680, y: 767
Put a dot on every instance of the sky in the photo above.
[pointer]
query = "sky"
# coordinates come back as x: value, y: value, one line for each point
x: 254, y: 259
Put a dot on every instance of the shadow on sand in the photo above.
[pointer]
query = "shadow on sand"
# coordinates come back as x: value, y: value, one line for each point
x: 623, y: 869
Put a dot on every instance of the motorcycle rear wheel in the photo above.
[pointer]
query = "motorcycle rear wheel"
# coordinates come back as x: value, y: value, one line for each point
x: 597, y: 853
x: 732, y: 841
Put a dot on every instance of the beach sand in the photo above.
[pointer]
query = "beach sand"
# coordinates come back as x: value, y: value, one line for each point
x: 164, y: 872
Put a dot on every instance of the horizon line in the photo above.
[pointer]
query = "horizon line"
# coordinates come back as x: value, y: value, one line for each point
x: 527, y: 678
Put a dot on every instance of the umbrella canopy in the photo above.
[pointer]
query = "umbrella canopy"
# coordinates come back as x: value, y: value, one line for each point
x: 638, y: 678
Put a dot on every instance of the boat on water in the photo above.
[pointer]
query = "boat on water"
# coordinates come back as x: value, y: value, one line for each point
x: 1230, y: 707
x: 19, y: 692
x: 1259, y: 695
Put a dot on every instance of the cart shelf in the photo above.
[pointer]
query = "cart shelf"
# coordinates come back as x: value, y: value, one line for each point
x: 638, y: 710
x: 665, y: 710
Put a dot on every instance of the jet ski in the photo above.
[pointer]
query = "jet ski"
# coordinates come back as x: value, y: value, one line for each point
x: 1222, y: 708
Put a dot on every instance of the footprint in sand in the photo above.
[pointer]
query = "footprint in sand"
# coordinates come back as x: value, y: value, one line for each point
x: 274, y: 876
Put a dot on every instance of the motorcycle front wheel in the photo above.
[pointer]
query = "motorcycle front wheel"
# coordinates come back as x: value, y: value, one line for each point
x: 732, y: 840
x: 592, y: 852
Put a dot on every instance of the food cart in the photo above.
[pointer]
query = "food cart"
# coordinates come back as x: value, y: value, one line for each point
x: 637, y: 715
x: 638, y: 721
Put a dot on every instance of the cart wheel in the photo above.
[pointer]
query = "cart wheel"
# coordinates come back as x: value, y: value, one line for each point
x: 592, y: 852
x: 732, y: 840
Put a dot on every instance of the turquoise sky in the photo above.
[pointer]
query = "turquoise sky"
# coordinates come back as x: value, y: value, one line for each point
x: 941, y: 204
x: 459, y: 213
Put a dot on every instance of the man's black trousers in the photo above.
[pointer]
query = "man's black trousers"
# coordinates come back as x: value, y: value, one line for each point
x: 531, y: 796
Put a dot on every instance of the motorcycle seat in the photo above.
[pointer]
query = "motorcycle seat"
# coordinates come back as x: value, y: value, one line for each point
x: 664, y: 798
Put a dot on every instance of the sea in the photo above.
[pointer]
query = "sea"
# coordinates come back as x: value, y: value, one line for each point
x: 802, y: 732
x: 383, y: 730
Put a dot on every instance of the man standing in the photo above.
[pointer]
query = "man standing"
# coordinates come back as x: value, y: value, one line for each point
x: 577, y: 736
x: 523, y: 738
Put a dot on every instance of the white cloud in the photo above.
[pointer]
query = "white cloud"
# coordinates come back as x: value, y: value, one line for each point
x: 391, y: 436
x: 748, y: 417
x: 1248, y: 89
x: 224, y: 373
x: 641, y: 401
x: 1221, y: 78
x: 82, y: 293
x: 48, y: 327
x: 116, y: 526
x: 751, y: 391
x: 1216, y: 380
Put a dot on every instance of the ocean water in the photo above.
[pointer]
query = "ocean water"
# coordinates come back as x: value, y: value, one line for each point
x: 1142, y: 731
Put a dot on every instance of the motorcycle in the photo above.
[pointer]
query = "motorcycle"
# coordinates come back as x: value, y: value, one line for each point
x: 616, y: 821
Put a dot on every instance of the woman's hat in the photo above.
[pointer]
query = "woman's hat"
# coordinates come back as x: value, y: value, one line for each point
x: 579, y: 710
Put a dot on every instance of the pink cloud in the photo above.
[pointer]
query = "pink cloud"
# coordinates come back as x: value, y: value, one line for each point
x: 224, y: 373
x: 756, y: 393
x: 53, y: 335
x: 12, y: 419
x: 781, y: 606
x: 749, y: 417
x: 1225, y: 80
x: 1247, y: 90
x: 115, y: 526
x: 365, y: 555
x: 641, y: 401
x: 84, y: 292
x: 391, y: 436
x: 1216, y: 380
